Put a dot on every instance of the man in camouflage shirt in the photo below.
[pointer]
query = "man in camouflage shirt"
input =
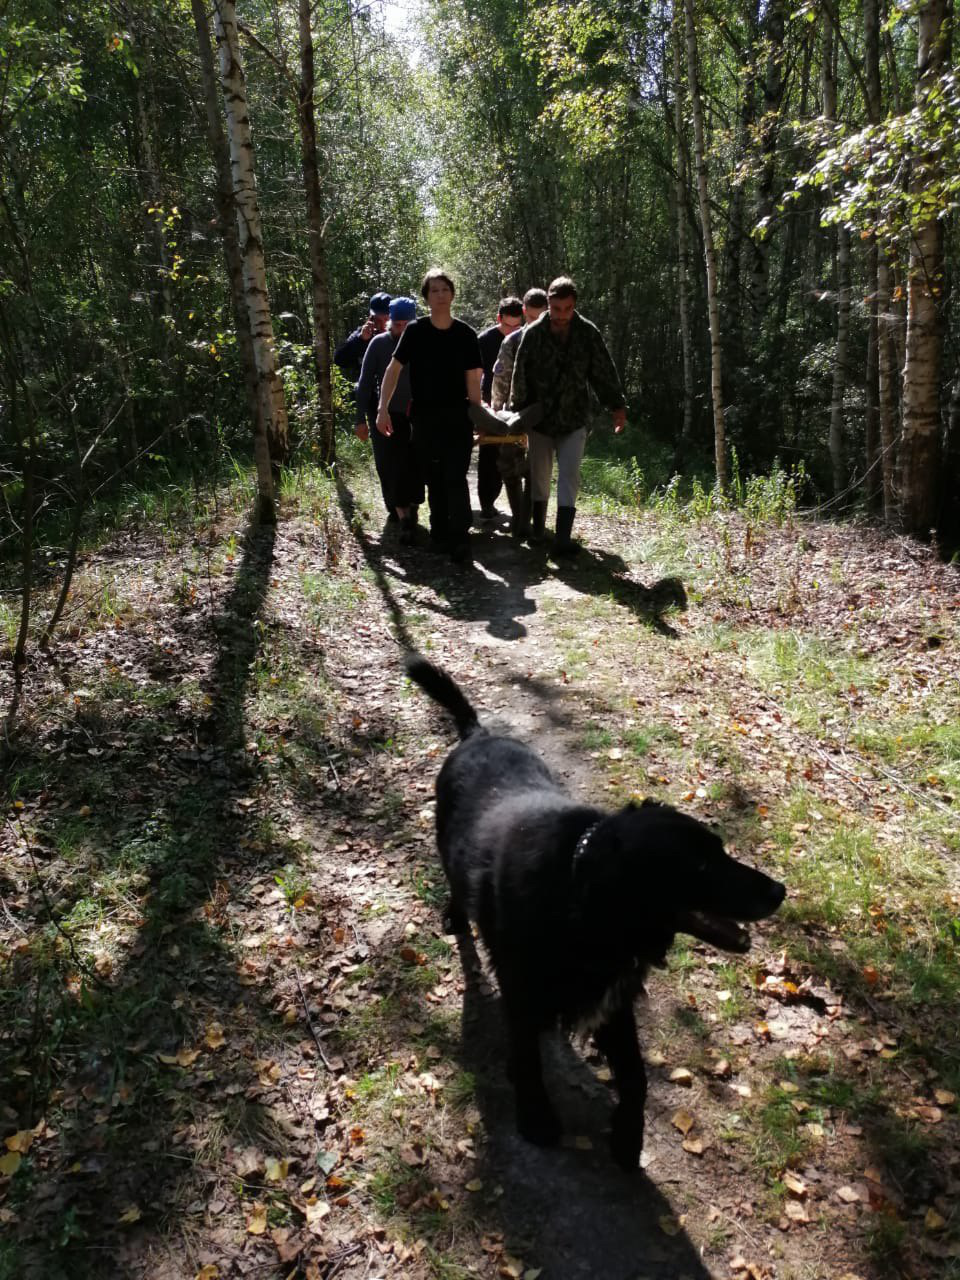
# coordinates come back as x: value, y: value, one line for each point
x: 560, y: 358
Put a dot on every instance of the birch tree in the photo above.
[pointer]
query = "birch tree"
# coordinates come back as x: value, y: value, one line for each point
x: 271, y: 433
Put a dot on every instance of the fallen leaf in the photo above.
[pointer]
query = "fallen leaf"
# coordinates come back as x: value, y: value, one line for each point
x: 721, y: 1069
x: 210, y: 1272
x: 257, y: 1220
x: 694, y: 1146
x: 933, y: 1221
x: 475, y: 1184
x: 795, y: 1185
x: 214, y: 1039
x: 849, y: 1195
x: 277, y: 1170
x: 681, y: 1076
x: 683, y: 1121
x: 944, y: 1097
x: 10, y: 1163
x: 20, y: 1141
x: 795, y: 1211
x: 130, y: 1214
x: 671, y: 1226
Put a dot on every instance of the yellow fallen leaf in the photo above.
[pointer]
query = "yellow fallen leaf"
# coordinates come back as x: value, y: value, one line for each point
x: 307, y: 1187
x: 933, y: 1221
x: 796, y: 1212
x: 475, y: 1184
x: 944, y: 1097
x: 20, y: 1141
x: 848, y: 1195
x: 795, y: 1185
x: 10, y: 1163
x: 680, y: 1075
x: 130, y: 1214
x: 257, y: 1221
x: 315, y: 1210
x: 210, y: 1272
x: 683, y: 1121
x: 277, y: 1170
x: 669, y: 1225
x: 533, y: 1273
x: 214, y: 1039
x: 693, y: 1145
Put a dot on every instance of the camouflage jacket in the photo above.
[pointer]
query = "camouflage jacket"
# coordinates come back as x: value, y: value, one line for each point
x: 560, y: 375
x: 503, y: 370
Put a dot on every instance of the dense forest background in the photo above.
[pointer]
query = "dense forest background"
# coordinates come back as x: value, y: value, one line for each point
x: 756, y: 201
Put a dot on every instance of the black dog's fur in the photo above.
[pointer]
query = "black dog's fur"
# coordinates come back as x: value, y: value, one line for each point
x: 574, y: 904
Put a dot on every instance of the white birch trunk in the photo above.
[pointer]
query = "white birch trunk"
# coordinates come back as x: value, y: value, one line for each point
x: 273, y: 413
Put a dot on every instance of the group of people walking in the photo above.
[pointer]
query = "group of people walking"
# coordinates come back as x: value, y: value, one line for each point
x: 425, y: 385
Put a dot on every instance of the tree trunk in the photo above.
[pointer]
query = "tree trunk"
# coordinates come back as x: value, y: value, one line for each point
x: 226, y: 209
x: 273, y: 414
x: 773, y: 88
x: 732, y: 273
x: 920, y: 445
x: 709, y: 251
x: 683, y: 249
x: 320, y: 293
x: 837, y: 464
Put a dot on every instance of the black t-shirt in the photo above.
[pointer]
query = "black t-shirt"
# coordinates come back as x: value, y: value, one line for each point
x: 490, y: 341
x: 438, y: 360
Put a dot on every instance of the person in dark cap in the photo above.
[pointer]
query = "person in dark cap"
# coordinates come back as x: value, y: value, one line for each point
x: 348, y: 357
x: 400, y: 480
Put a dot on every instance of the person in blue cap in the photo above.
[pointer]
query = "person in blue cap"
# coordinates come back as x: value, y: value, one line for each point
x: 348, y: 357
x: 400, y: 480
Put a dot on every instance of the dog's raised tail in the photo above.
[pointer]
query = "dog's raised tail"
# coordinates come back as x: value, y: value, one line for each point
x: 442, y: 689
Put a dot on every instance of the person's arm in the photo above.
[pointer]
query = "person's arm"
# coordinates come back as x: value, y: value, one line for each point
x: 366, y: 392
x: 502, y: 374
x: 519, y: 389
x: 474, y: 385
x: 387, y: 388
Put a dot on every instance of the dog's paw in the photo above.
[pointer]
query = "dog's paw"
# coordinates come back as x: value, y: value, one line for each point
x: 539, y: 1124
x: 626, y: 1137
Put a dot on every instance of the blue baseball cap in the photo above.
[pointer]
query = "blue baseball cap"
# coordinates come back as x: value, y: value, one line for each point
x: 380, y: 304
x: 403, y: 309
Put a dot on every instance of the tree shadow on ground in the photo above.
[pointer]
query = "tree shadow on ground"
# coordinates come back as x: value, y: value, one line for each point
x: 569, y: 1209
x: 172, y: 806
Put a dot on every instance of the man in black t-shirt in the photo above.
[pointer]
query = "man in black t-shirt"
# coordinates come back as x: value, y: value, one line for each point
x: 489, y: 483
x: 443, y: 357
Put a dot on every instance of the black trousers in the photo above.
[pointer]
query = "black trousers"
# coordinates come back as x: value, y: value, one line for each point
x: 489, y: 482
x: 397, y: 467
x: 442, y: 442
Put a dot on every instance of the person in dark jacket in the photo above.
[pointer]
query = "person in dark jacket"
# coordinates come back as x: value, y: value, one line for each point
x: 443, y: 356
x: 561, y: 358
x: 489, y: 483
x: 348, y: 357
x: 393, y: 455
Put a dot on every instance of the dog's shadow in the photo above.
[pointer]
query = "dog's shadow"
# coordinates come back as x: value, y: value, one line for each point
x: 567, y: 1209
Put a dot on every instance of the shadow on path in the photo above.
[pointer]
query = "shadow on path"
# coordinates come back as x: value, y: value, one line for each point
x: 568, y: 1210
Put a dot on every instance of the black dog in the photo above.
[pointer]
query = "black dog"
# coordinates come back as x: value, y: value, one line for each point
x: 574, y: 904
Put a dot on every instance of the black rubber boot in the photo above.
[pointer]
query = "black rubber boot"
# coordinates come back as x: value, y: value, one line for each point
x: 538, y: 525
x: 519, y: 508
x: 564, y: 544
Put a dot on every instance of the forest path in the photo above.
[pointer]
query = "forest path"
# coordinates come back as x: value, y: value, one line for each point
x: 250, y: 1050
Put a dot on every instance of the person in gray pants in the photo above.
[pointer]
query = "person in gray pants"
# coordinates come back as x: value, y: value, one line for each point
x: 562, y: 357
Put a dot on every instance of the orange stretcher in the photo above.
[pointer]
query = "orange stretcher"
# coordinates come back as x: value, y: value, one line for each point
x: 485, y: 439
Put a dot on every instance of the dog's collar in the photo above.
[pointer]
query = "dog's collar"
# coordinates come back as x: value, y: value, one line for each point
x: 584, y: 840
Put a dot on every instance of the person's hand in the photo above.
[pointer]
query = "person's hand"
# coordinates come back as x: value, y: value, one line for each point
x: 384, y: 425
x: 361, y: 431
x: 619, y: 420
x: 368, y: 330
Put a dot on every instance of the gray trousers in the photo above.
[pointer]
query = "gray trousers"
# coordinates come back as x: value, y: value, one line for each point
x: 569, y: 450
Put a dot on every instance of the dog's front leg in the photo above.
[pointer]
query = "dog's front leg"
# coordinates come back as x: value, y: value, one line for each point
x: 617, y: 1041
x: 536, y: 1119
